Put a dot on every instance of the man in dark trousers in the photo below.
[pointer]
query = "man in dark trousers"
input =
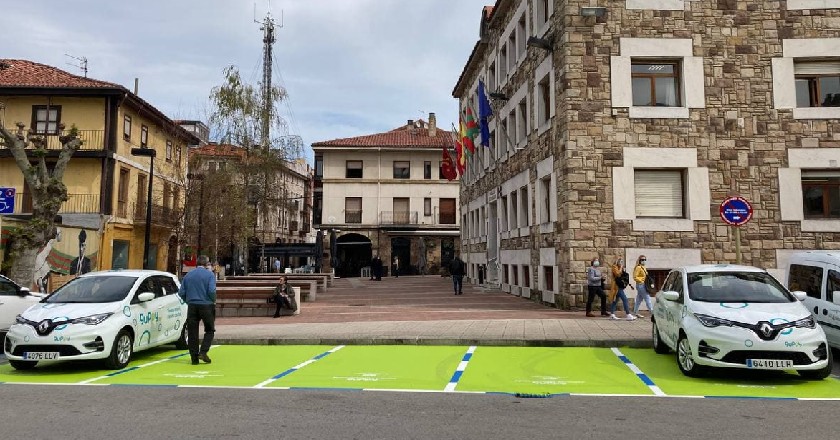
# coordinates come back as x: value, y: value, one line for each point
x: 376, y: 267
x: 198, y: 290
x: 284, y: 296
x: 456, y: 269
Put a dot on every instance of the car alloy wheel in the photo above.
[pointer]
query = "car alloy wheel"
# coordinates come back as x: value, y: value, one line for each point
x: 685, y: 359
x: 121, y: 351
x: 658, y: 346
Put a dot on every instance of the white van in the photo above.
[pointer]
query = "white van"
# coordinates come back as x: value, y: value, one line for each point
x: 817, y: 273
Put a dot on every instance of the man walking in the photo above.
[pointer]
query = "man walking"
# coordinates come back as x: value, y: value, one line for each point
x: 456, y: 269
x: 198, y: 290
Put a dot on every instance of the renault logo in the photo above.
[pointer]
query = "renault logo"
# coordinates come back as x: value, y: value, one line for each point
x: 766, y: 329
x: 44, y: 326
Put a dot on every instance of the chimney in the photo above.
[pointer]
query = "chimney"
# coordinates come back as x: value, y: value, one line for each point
x: 410, y: 123
x: 136, y: 85
x: 432, y: 125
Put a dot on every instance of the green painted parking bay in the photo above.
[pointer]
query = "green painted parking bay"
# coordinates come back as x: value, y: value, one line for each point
x: 71, y: 372
x: 540, y: 370
x: 232, y: 366
x: 663, y: 371
x: 379, y: 367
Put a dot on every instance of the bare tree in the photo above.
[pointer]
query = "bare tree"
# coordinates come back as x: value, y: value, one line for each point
x: 48, y: 193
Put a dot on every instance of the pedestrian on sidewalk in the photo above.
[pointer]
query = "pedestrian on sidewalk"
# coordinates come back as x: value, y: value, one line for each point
x: 643, y: 280
x: 377, y: 268
x: 621, y: 279
x: 396, y: 267
x: 283, y: 295
x: 456, y: 268
x: 198, y: 290
x: 595, y: 286
x: 277, y: 266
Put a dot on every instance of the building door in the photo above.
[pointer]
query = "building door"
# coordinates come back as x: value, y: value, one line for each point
x: 353, y: 252
x: 119, y: 254
x: 493, y: 244
x: 401, y: 248
x: 401, y: 206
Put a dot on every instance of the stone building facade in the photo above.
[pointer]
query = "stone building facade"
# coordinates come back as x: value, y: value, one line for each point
x: 620, y: 127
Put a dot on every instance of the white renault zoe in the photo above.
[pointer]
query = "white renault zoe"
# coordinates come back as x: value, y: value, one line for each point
x: 737, y: 316
x: 99, y: 315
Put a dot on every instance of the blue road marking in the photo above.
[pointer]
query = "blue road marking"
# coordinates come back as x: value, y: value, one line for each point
x: 298, y: 367
x: 638, y: 372
x: 450, y: 387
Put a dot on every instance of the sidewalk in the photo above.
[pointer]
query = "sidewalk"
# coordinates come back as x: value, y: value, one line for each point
x: 423, y: 310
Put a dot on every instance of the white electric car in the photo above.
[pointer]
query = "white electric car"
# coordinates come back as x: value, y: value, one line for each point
x: 99, y: 315
x: 737, y: 316
x: 14, y: 299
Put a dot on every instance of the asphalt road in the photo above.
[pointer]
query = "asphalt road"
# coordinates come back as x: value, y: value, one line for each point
x: 150, y: 412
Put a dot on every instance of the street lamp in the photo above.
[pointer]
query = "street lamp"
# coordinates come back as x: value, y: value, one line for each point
x: 150, y: 153
x: 200, y: 178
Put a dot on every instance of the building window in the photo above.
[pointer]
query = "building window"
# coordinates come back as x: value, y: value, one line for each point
x: 526, y: 276
x: 544, y: 96
x: 544, y: 8
x: 178, y: 155
x: 402, y: 169
x: 122, y: 194
x: 441, y: 175
x: 548, y: 276
x: 319, y: 167
x: 659, y: 193
x: 144, y: 136
x: 427, y: 207
x: 510, y: 129
x: 127, y: 127
x: 512, y: 55
x: 447, y: 212
x: 503, y: 61
x: 505, y: 274
x: 46, y: 118
x: 354, y: 169
x: 514, y: 204
x: 427, y: 170
x: 656, y: 84
x: 817, y: 84
x: 352, y: 210
x: 821, y: 194
x: 504, y: 213
x: 521, y: 36
x: 523, y: 207
x: 545, y: 200
x: 522, y: 121
x: 169, y: 151
x: 515, y: 275
x: 491, y: 76
x: 211, y: 167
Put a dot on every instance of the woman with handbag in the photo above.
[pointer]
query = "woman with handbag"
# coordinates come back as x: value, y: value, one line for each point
x: 643, y: 280
x: 621, y: 279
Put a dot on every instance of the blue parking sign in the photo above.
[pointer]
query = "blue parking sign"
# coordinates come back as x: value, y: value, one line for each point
x: 736, y: 211
x: 7, y: 200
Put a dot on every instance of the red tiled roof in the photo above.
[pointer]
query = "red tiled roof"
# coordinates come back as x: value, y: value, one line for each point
x: 405, y: 136
x: 24, y: 73
x: 219, y: 150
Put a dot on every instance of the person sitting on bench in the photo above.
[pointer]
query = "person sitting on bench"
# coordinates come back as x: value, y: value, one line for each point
x: 283, y: 296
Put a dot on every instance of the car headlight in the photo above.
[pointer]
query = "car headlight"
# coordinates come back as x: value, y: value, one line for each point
x: 712, y: 321
x: 806, y: 322
x: 92, y: 319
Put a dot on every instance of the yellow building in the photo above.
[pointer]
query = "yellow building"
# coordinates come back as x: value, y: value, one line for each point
x: 106, y: 184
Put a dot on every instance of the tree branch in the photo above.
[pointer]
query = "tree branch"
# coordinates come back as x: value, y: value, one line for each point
x: 18, y: 148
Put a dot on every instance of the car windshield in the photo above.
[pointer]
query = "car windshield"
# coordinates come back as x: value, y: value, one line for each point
x: 740, y: 287
x: 98, y: 289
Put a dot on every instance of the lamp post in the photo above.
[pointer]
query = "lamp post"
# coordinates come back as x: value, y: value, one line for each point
x: 200, y: 178
x: 150, y: 153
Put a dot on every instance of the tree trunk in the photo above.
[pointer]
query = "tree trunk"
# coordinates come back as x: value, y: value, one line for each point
x: 22, y: 270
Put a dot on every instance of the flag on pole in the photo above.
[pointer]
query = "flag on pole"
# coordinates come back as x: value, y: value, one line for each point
x: 466, y: 140
x: 460, y: 160
x: 472, y: 126
x: 447, y: 167
x: 484, y: 114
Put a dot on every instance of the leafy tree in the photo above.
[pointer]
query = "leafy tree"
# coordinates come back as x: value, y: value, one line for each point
x: 48, y: 193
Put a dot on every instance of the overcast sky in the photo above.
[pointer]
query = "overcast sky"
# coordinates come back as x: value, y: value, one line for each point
x: 351, y: 67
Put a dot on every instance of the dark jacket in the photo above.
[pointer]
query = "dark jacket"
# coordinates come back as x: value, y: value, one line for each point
x: 456, y: 266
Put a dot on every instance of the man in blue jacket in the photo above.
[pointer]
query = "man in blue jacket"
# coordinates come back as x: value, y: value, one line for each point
x: 198, y: 290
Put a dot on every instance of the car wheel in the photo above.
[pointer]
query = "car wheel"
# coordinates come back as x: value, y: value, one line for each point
x: 22, y: 365
x: 685, y: 360
x: 658, y: 346
x: 181, y: 343
x: 820, y: 374
x: 120, y: 351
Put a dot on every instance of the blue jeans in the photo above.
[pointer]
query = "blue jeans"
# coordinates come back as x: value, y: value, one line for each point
x: 623, y: 298
x: 642, y: 294
x: 457, y: 283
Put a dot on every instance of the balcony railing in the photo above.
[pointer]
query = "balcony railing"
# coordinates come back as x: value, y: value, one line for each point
x: 398, y: 218
x: 161, y: 215
x: 352, y: 217
x: 446, y: 218
x: 75, y: 204
x: 92, y: 140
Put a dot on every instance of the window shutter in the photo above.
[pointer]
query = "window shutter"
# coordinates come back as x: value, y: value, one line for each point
x: 817, y: 68
x: 659, y: 193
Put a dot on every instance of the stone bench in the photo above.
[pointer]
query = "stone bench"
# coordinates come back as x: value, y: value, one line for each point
x: 308, y: 289
x: 251, y: 303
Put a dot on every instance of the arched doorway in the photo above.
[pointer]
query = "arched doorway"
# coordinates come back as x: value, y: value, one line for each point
x: 401, y: 247
x: 353, y: 252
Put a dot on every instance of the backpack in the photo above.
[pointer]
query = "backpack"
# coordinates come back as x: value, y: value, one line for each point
x: 622, y: 280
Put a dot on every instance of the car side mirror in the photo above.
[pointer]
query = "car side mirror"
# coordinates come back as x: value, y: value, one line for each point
x: 836, y: 297
x: 24, y: 291
x: 669, y: 295
x: 800, y: 295
x: 145, y: 297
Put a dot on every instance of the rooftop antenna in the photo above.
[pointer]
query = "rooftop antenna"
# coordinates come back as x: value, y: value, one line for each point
x: 82, y: 63
x: 267, y: 26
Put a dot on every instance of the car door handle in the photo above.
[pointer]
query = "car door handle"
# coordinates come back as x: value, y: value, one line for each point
x: 816, y: 310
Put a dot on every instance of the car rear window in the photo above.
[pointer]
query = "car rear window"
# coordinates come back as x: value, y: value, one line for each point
x: 749, y: 287
x: 98, y: 289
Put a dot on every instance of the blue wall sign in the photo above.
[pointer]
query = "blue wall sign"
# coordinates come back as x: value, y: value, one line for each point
x: 736, y: 211
x: 7, y: 200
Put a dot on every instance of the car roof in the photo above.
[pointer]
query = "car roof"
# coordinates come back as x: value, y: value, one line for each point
x: 721, y: 268
x: 815, y: 255
x: 136, y: 273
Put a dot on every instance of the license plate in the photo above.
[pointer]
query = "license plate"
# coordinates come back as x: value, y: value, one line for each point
x: 770, y: 364
x: 40, y: 355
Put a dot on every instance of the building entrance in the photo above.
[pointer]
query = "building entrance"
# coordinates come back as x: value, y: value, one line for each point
x: 353, y: 253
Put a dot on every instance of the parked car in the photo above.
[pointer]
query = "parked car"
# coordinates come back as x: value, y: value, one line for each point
x: 740, y: 317
x: 817, y: 273
x: 100, y: 315
x: 14, y: 299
